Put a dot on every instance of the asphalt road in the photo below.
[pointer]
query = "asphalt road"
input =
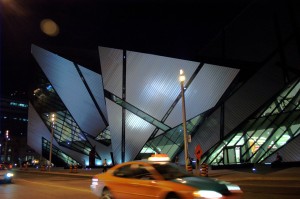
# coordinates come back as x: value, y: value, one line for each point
x: 30, y: 185
x: 269, y: 189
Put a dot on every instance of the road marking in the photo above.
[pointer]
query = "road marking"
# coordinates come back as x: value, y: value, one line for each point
x: 58, y: 186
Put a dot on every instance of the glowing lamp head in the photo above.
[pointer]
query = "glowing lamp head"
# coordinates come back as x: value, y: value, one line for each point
x: 52, y: 117
x: 181, y: 76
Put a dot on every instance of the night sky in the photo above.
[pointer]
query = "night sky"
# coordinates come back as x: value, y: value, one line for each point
x: 180, y: 29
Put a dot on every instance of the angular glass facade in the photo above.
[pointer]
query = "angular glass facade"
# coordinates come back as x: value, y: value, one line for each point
x: 60, y: 157
x: 66, y: 132
x: 170, y: 142
x: 164, y: 139
x: 259, y: 137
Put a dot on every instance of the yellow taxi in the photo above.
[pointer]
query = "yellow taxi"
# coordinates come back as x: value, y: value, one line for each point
x: 158, y: 179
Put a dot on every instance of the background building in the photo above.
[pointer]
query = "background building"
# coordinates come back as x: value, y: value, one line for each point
x: 13, y: 131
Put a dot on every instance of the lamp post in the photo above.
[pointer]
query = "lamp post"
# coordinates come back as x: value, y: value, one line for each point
x: 5, y: 146
x: 182, y: 79
x: 52, y: 132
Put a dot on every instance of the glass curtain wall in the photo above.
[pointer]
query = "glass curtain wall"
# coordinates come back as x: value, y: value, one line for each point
x: 66, y: 131
x: 262, y: 135
x: 171, y: 141
x: 61, y: 158
x: 104, y: 137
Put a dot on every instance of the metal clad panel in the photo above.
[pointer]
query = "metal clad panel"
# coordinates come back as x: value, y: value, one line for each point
x: 137, y: 133
x: 152, y: 82
x: 37, y: 130
x: 252, y: 95
x: 208, y: 134
x: 69, y: 86
x: 159, y: 132
x: 102, y: 150
x: 115, y: 121
x: 204, y: 92
x: 94, y: 81
x: 111, y: 67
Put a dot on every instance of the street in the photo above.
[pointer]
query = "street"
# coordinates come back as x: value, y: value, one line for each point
x: 269, y: 189
x: 28, y: 185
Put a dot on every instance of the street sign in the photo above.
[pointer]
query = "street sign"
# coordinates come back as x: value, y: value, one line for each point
x: 198, y: 152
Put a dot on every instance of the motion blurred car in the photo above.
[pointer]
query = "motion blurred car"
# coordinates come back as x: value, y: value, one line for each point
x: 158, y: 179
x: 5, y: 174
x: 8, y: 165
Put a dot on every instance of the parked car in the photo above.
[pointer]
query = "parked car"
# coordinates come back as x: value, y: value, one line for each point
x: 158, y: 179
x: 8, y: 165
x: 5, y: 174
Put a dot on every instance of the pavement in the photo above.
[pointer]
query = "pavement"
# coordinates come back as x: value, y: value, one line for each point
x: 231, y: 175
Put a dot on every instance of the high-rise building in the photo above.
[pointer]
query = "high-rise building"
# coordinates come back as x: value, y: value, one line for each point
x: 13, y: 131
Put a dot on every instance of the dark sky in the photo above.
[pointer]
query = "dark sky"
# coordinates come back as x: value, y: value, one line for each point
x: 172, y: 28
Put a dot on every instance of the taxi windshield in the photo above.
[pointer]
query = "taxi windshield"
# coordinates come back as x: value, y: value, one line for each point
x: 171, y: 171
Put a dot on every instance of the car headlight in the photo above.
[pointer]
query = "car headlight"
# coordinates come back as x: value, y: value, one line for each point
x: 95, y: 181
x: 207, y: 194
x: 9, y: 175
x: 233, y: 187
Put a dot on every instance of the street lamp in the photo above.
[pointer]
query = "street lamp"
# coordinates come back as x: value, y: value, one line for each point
x: 182, y: 79
x: 52, y: 131
x: 5, y: 146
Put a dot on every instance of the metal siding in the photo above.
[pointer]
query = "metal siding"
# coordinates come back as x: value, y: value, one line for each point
x: 112, y: 66
x: 102, y: 150
x: 252, y: 95
x: 115, y: 121
x: 204, y: 92
x: 94, y: 81
x: 159, y: 132
x: 208, y: 134
x: 153, y: 81
x: 137, y: 133
x: 69, y: 86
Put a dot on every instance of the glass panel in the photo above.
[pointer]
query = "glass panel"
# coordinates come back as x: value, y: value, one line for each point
x: 58, y: 154
x: 217, y: 155
x: 294, y: 128
x: 171, y: 141
x: 236, y: 138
